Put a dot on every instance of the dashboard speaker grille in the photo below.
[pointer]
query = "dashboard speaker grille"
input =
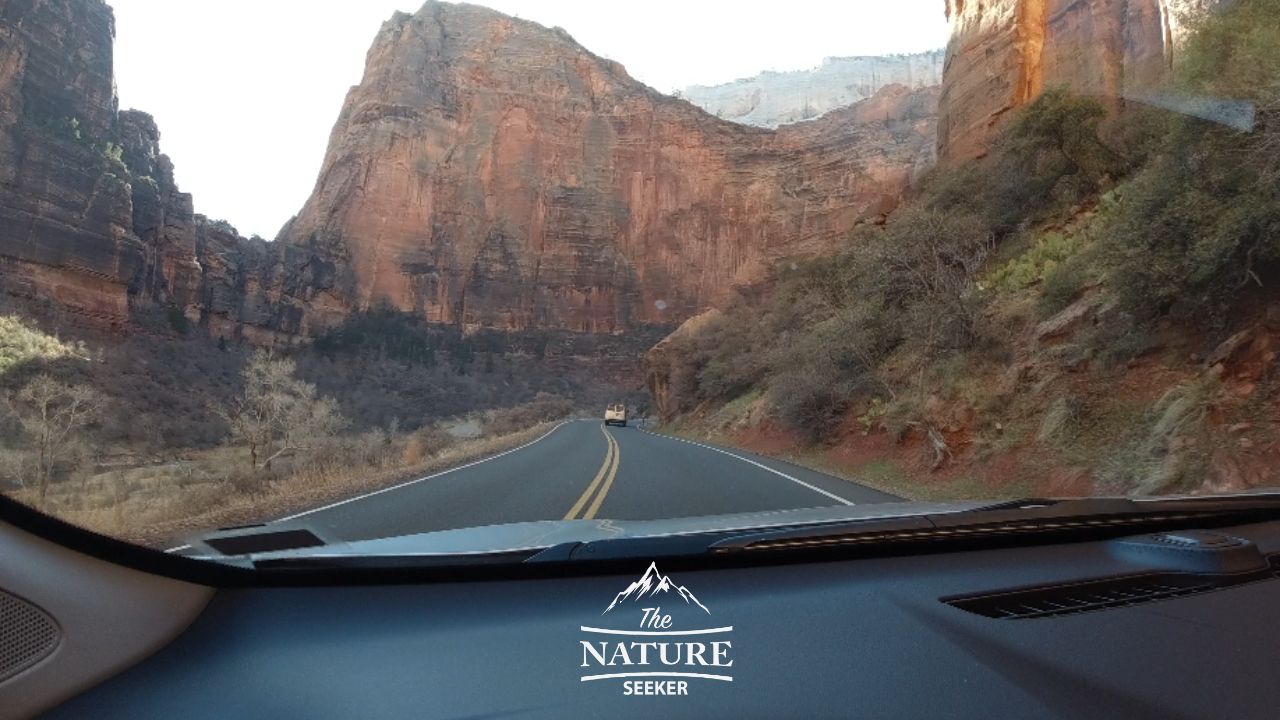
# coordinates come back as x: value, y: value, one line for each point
x: 27, y: 635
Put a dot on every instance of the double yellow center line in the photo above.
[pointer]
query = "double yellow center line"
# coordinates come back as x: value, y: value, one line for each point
x: 602, y: 482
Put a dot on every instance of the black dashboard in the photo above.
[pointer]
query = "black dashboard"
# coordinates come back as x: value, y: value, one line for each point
x: 1081, y: 630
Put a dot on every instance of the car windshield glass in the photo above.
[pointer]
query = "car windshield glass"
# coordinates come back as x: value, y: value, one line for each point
x: 472, y: 276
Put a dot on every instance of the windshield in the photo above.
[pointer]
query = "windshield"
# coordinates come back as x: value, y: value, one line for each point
x: 378, y: 277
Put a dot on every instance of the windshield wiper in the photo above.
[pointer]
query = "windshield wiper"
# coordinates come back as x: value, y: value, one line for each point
x: 1020, y: 520
x: 1026, y: 520
x: 1088, y: 517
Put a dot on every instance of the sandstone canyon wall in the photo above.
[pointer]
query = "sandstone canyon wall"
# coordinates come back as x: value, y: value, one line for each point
x: 487, y: 172
x: 92, y: 224
x: 492, y: 172
x: 771, y: 99
x: 65, y: 218
x: 1002, y: 53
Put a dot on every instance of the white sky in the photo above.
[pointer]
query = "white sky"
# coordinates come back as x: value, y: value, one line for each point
x: 246, y: 91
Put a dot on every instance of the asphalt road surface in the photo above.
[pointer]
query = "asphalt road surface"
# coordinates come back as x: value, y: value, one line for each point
x: 584, y: 470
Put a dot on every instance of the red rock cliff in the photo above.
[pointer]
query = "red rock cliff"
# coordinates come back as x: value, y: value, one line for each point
x: 92, y: 224
x: 487, y: 171
x: 1002, y: 53
x: 492, y: 172
x: 65, y: 216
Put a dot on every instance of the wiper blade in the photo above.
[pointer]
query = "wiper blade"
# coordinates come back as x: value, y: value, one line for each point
x: 1016, y: 517
x: 1043, y: 518
x: 1020, y: 519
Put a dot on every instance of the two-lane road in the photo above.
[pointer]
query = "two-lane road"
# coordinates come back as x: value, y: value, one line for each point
x: 584, y: 470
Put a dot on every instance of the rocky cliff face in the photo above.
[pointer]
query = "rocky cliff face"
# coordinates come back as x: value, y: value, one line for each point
x: 1003, y: 53
x: 492, y: 172
x: 771, y: 99
x: 92, y: 224
x: 65, y: 218
x: 162, y: 217
x: 488, y: 172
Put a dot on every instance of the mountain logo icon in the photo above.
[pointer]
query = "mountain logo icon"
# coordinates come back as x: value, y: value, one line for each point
x: 654, y: 584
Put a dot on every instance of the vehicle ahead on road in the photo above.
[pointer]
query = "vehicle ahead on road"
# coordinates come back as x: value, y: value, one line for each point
x: 616, y: 414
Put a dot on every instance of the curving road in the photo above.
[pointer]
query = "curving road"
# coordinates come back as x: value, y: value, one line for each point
x: 583, y: 470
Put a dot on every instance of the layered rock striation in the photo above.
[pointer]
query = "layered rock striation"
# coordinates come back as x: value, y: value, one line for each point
x: 487, y: 172
x: 65, y: 210
x: 1002, y: 54
x: 491, y: 172
x: 92, y: 223
x: 771, y: 99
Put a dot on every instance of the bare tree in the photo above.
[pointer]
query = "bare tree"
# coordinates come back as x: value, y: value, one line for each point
x: 931, y: 262
x: 50, y: 411
x: 278, y: 414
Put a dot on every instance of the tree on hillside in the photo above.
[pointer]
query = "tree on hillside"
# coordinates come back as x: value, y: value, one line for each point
x: 50, y: 411
x: 1065, y: 123
x: 277, y: 414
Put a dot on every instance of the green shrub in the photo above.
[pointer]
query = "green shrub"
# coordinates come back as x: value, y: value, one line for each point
x: 67, y: 128
x: 1063, y: 283
x: 809, y: 400
x: 1031, y: 267
x: 385, y: 333
x: 730, y: 363
x: 1049, y: 156
x: 1117, y: 339
x: 112, y: 151
x: 1056, y: 136
x: 1196, y: 229
x: 1193, y: 231
x: 224, y: 226
x: 178, y: 321
x: 21, y: 343
x: 1234, y: 52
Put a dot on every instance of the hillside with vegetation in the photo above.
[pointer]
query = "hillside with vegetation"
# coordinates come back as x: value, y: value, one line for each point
x: 1090, y: 308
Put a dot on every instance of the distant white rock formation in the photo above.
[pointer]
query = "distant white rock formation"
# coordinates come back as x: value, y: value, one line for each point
x: 771, y: 98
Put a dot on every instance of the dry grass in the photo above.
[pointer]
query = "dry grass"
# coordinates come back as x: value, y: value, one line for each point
x: 158, y: 504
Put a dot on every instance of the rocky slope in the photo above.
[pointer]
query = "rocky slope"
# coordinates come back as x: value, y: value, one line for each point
x: 1003, y: 53
x: 771, y: 99
x: 492, y: 172
x: 1122, y: 337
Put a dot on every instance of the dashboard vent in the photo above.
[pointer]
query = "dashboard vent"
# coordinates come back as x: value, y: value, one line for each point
x: 1056, y: 600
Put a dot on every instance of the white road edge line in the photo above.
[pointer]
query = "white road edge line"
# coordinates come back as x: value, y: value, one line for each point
x: 425, y: 477
x: 749, y: 461
x: 407, y: 482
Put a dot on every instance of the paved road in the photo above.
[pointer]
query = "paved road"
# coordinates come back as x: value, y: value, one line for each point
x: 583, y: 470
